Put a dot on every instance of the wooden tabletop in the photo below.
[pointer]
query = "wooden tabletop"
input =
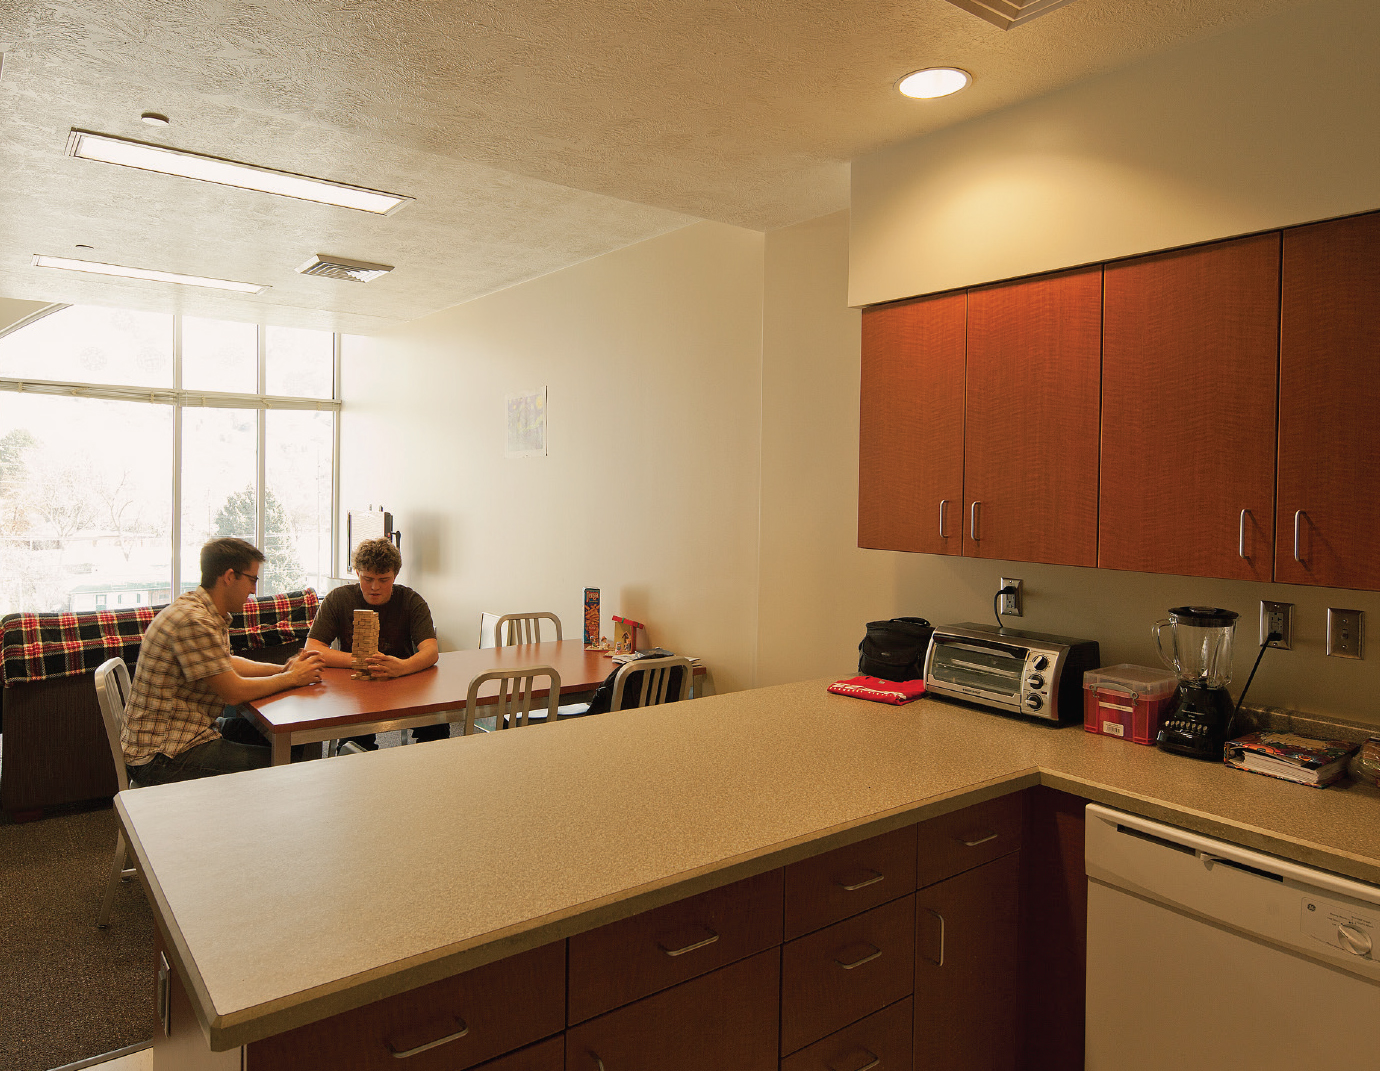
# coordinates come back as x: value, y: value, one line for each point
x: 338, y: 700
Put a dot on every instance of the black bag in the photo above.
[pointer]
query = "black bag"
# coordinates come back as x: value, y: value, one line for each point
x: 895, y: 650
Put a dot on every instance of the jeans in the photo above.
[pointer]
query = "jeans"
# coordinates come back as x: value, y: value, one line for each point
x: 204, y: 760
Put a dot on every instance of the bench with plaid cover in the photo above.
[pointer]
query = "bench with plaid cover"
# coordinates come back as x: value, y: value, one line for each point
x: 36, y: 647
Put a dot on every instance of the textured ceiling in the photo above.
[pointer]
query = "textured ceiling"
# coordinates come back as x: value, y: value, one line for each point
x: 532, y: 133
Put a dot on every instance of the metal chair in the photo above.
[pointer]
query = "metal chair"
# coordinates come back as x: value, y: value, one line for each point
x: 656, y: 681
x: 514, y: 705
x: 513, y: 629
x: 112, y: 692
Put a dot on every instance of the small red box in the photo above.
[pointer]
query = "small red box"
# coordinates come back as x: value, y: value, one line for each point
x: 1128, y: 701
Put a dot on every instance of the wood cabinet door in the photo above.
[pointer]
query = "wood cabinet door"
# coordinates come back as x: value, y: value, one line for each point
x: 1327, y: 525
x: 849, y: 881
x: 1190, y: 350
x: 910, y: 443
x: 967, y: 1015
x: 725, y: 1019
x: 1031, y: 424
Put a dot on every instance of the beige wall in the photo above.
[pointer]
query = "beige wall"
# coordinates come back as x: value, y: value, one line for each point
x: 652, y: 358
x: 818, y: 589
x: 12, y: 310
x: 1270, y: 125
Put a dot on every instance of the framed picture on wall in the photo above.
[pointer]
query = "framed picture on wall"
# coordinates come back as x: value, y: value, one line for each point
x: 526, y: 424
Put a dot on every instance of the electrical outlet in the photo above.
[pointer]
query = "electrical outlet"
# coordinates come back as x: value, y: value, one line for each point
x: 1013, y: 605
x: 1277, y: 617
x: 1345, y: 632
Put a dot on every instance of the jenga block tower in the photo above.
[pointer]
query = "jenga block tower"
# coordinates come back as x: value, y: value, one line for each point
x: 364, y: 644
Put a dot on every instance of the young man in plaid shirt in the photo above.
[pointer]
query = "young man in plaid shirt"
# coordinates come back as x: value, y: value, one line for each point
x: 186, y: 676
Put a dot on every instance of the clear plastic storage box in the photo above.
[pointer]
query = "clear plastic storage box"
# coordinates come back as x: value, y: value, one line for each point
x: 1128, y: 701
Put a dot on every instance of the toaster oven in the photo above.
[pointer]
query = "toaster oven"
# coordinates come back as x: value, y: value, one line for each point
x: 1029, y: 673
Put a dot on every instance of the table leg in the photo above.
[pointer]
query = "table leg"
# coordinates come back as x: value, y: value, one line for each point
x: 282, y: 749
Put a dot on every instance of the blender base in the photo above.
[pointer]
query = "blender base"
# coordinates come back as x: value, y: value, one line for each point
x: 1199, y: 725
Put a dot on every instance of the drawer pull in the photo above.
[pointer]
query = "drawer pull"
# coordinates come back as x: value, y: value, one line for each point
x: 940, y: 961
x: 598, y: 1062
x: 876, y: 876
x: 980, y: 840
x: 673, y: 952
x: 403, y: 1054
x: 871, y: 1061
x: 859, y: 962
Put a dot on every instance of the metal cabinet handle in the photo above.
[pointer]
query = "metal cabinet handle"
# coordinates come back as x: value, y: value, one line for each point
x: 598, y: 1061
x: 1298, y: 515
x: 980, y: 840
x: 872, y: 1059
x: 1241, y: 534
x: 940, y: 961
x: 163, y: 1000
x: 973, y: 520
x: 943, y: 511
x: 403, y: 1054
x: 673, y: 952
x: 859, y: 962
x: 877, y: 876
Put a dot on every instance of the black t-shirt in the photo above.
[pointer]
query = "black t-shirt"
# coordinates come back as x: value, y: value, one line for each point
x: 404, y: 620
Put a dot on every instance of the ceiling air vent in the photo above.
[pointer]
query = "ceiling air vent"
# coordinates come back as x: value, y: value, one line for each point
x: 1006, y: 14
x: 355, y: 271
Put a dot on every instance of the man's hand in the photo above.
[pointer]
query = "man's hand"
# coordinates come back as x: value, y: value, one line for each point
x: 304, y: 668
x: 384, y: 666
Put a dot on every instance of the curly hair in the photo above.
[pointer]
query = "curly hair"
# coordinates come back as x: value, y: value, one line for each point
x: 377, y: 556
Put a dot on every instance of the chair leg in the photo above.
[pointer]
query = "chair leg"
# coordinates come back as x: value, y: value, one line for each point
x: 117, y: 873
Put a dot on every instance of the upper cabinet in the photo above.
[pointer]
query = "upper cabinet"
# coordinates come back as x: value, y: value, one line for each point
x: 1329, y: 396
x: 910, y: 455
x: 1189, y: 359
x: 1030, y: 463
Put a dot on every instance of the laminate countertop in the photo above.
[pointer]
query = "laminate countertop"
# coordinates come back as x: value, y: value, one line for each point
x: 294, y: 893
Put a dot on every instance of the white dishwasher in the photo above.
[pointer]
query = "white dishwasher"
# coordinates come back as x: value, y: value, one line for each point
x: 1205, y: 955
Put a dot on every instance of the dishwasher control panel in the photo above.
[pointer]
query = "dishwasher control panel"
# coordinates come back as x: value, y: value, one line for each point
x: 1340, y: 926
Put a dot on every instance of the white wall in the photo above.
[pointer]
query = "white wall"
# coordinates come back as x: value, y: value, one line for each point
x: 651, y: 355
x: 1270, y: 125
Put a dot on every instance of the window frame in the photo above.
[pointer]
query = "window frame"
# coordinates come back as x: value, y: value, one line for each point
x: 180, y: 399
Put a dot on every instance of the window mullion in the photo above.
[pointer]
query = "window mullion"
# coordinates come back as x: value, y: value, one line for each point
x: 261, y: 448
x: 175, y: 526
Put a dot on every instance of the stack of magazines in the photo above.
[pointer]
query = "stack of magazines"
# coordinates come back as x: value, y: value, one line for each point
x: 1291, y: 757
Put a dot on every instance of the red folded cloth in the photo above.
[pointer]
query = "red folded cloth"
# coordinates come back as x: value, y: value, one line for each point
x: 878, y: 690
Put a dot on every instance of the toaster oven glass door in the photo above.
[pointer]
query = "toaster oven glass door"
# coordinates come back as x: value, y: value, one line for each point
x: 995, y: 672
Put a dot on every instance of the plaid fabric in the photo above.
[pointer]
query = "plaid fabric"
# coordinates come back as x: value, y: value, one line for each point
x: 36, y: 647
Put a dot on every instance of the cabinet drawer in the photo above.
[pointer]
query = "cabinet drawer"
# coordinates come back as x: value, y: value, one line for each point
x: 836, y: 976
x: 486, y: 1012
x: 881, y: 1042
x: 978, y: 834
x: 617, y: 964
x: 849, y: 880
x: 724, y: 1020
x: 548, y: 1055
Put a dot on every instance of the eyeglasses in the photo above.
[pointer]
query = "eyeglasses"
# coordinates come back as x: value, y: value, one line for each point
x: 252, y: 578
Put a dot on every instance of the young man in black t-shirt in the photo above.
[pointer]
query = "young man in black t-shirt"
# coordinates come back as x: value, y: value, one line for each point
x: 407, y: 639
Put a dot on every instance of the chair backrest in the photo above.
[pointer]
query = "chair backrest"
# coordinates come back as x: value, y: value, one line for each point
x: 112, y: 692
x: 656, y: 681
x: 514, y: 696
x: 488, y: 630
x: 523, y: 628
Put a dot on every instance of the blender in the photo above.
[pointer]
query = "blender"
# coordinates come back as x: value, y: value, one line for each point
x: 1200, y: 637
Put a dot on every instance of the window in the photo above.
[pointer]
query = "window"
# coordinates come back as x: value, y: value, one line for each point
x: 127, y: 439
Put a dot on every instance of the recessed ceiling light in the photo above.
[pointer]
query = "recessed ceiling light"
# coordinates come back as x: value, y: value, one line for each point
x: 89, y: 146
x: 934, y: 82
x: 154, y: 119
x: 122, y: 272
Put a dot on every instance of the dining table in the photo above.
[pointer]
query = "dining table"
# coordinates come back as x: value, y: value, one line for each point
x: 341, y: 706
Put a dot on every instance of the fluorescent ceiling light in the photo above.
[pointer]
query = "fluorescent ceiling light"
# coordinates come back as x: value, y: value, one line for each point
x: 95, y: 268
x: 88, y: 146
x: 934, y: 82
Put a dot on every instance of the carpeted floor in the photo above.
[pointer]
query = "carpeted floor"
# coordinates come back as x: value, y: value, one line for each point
x: 69, y: 991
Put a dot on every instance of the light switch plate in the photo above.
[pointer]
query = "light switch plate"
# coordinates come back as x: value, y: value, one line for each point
x: 1345, y: 637
x: 1277, y: 617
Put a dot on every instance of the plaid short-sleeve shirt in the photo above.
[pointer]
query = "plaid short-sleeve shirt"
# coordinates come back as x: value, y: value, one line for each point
x: 171, y: 707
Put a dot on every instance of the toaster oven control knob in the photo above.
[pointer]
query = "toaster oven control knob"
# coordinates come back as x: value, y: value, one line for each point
x: 1040, y: 662
x: 1034, y: 702
x: 1035, y: 681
